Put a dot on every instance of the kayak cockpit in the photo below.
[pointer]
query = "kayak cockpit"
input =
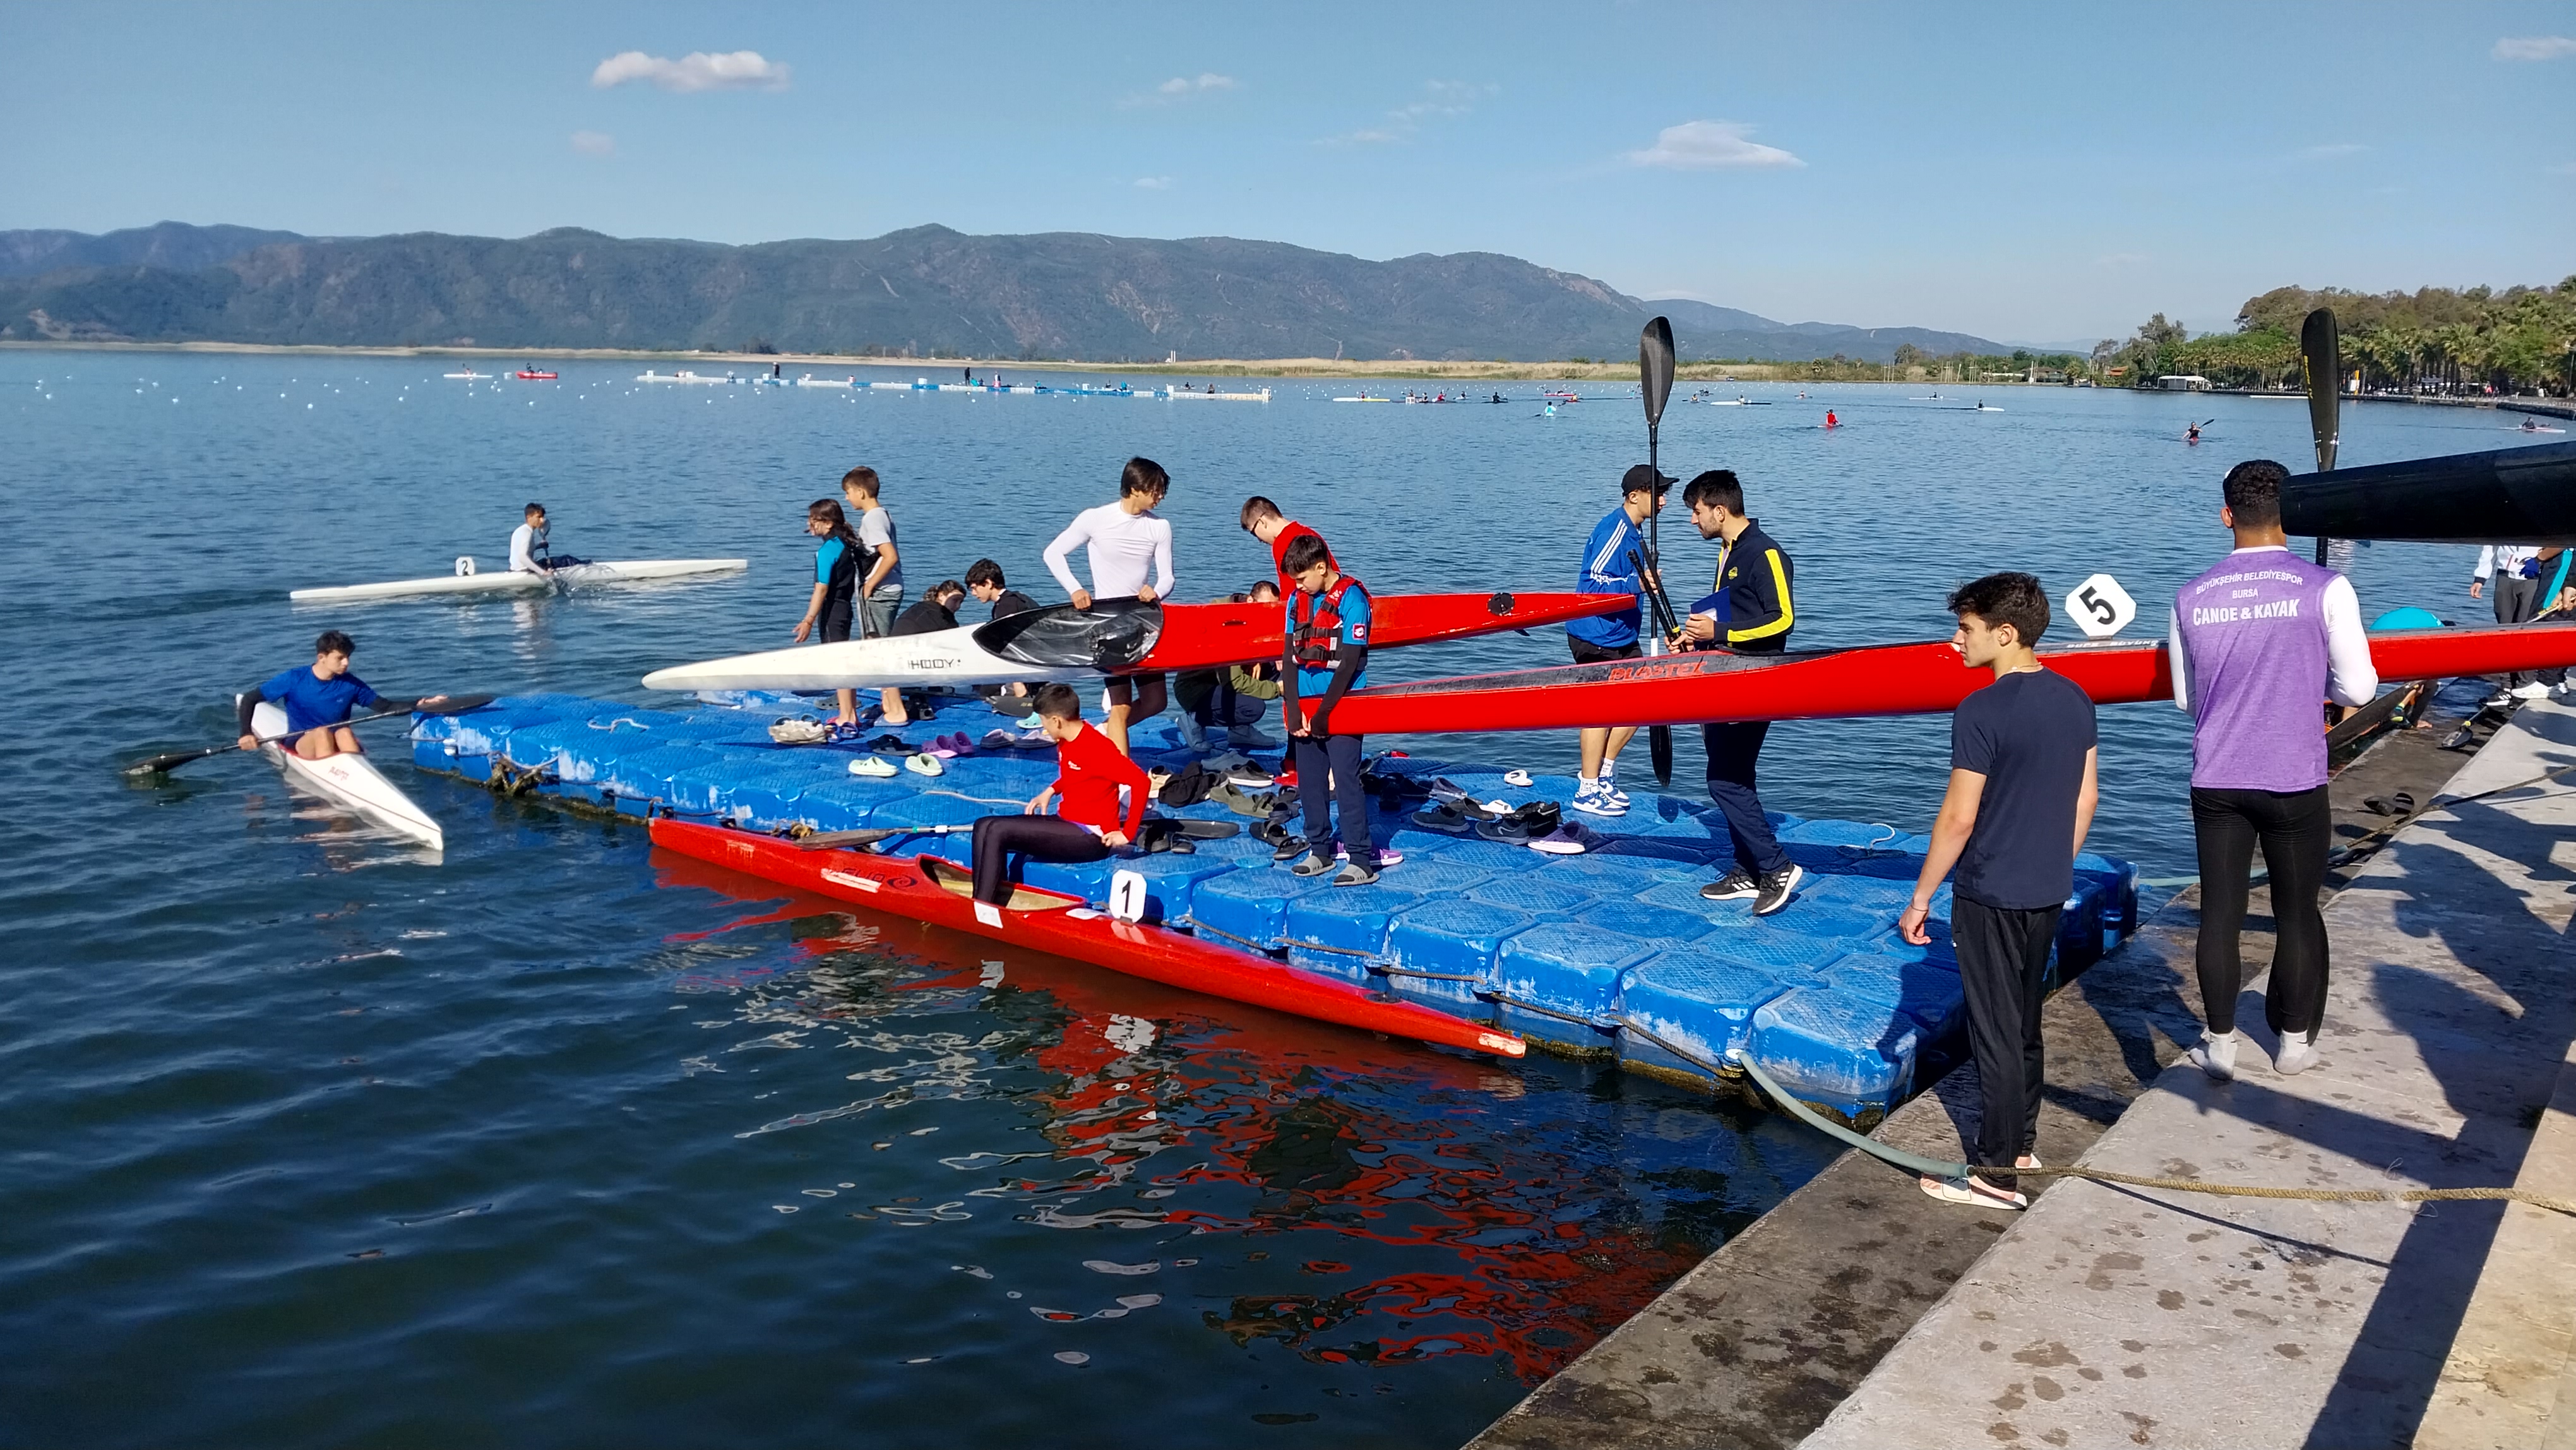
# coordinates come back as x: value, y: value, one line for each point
x: 956, y: 880
x: 1113, y: 634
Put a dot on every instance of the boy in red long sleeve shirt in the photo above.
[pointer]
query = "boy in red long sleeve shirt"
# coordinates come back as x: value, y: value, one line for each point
x: 1091, y: 822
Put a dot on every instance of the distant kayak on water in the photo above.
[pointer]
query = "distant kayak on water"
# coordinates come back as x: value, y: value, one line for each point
x: 2528, y: 426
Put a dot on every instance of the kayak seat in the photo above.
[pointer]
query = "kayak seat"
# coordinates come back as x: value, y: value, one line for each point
x: 1111, y: 635
x: 956, y: 880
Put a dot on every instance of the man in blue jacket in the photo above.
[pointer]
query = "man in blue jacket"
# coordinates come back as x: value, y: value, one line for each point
x: 1613, y: 563
x: 1748, y: 611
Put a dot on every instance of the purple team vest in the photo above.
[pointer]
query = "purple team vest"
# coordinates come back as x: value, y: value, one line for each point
x: 2255, y: 631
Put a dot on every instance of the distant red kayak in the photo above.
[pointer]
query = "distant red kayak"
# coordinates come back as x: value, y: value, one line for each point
x: 533, y: 376
x: 929, y: 889
x: 1899, y: 679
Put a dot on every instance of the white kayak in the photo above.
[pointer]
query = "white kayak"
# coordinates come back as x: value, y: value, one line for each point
x: 468, y: 582
x: 348, y: 780
x: 1072, y: 652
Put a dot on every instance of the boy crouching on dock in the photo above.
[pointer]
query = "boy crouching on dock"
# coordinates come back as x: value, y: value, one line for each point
x: 2022, y: 789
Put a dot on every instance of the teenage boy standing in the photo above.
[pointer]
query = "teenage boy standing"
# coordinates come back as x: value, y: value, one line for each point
x: 1613, y: 564
x: 1262, y: 519
x: 1749, y: 611
x: 1122, y: 541
x: 879, y: 591
x: 1326, y: 658
x: 2023, y: 782
x: 2258, y: 644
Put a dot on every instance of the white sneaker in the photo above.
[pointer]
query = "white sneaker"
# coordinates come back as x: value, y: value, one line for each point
x: 1590, y: 799
x: 1613, y: 794
x: 2533, y: 691
x: 2298, y: 1053
x: 2216, y: 1056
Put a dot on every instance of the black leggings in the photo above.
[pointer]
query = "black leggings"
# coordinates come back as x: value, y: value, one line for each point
x: 1040, y: 838
x: 2295, y: 830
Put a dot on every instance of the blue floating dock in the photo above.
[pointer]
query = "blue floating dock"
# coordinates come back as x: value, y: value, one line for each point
x: 1610, y: 954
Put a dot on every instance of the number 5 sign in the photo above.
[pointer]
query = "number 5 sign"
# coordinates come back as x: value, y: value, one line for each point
x: 2100, y: 607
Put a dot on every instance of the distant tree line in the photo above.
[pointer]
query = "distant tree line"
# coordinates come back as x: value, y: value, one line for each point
x: 2434, y: 341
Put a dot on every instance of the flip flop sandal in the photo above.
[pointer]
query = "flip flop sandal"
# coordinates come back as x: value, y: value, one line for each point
x: 1969, y: 1192
x: 1000, y: 740
x: 888, y: 745
x: 1519, y: 779
x: 1208, y: 830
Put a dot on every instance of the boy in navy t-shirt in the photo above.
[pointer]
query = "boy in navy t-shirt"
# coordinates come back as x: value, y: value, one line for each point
x: 2023, y: 759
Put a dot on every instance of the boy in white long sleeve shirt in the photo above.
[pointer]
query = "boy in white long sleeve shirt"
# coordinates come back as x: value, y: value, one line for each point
x: 1123, y: 541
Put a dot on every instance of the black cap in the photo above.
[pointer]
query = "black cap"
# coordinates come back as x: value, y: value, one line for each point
x: 1641, y: 477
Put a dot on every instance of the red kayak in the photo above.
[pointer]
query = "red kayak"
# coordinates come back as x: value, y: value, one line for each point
x: 533, y: 376
x: 1112, y: 637
x: 1898, y: 679
x: 929, y: 889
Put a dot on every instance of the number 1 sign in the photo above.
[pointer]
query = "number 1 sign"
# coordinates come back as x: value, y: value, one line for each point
x: 2100, y: 607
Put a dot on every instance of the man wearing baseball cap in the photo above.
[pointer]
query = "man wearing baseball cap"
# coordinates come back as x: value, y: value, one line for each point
x: 1614, y: 563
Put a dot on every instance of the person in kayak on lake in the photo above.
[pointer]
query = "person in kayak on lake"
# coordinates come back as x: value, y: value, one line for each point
x: 2257, y: 644
x: 878, y: 594
x: 836, y: 574
x: 1262, y: 519
x: 2024, y: 779
x: 1326, y: 658
x: 1122, y: 541
x: 317, y: 699
x: 528, y: 551
x: 1749, y: 610
x: 1091, y: 822
x: 1613, y: 563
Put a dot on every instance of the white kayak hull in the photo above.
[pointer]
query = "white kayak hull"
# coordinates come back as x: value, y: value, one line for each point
x: 909, y: 661
x: 351, y: 781
x: 615, y: 571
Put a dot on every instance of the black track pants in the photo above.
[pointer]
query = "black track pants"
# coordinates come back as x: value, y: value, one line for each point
x: 2294, y: 831
x: 2003, y: 965
x: 1733, y: 751
x: 1040, y: 838
x: 1334, y: 759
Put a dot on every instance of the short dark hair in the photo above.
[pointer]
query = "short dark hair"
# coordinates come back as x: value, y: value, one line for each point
x: 534, y: 508
x: 946, y: 587
x: 1257, y: 508
x: 2006, y: 598
x: 333, y: 642
x: 861, y: 478
x: 1718, y: 487
x: 2253, y: 491
x: 1057, y: 700
x: 1305, y: 552
x: 1253, y: 594
x: 983, y: 572
x: 1143, y: 475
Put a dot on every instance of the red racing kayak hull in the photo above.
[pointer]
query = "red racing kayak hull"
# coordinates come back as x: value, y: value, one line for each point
x: 1901, y: 679
x: 1213, y: 636
x: 1063, y: 926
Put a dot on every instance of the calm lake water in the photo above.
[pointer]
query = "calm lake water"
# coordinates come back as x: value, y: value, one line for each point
x: 557, y: 1140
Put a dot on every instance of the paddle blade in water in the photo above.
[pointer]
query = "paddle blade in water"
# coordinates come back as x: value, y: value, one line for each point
x: 1655, y: 367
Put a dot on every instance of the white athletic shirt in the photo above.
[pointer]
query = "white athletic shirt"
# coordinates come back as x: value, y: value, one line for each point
x: 2505, y: 559
x: 1120, y: 546
x: 523, y: 550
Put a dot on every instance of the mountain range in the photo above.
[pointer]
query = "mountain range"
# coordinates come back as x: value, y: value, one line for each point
x: 921, y: 291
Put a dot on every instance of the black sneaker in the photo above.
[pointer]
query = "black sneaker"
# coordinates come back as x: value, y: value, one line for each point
x: 1777, y: 888
x: 1735, y: 885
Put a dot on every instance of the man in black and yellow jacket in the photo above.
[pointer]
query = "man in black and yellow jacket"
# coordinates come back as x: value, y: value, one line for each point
x: 1751, y: 611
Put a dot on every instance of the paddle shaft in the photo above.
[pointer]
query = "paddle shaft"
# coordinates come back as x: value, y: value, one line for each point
x: 161, y: 764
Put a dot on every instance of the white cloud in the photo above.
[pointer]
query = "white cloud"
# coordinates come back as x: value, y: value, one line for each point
x: 2340, y: 148
x: 1154, y: 183
x: 1204, y: 81
x: 594, y: 143
x: 737, y: 70
x: 1440, y: 99
x: 1710, y: 146
x: 2535, y: 47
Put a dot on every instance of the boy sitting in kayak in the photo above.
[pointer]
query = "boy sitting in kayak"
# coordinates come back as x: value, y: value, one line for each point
x: 529, y: 552
x: 1090, y: 823
x: 317, y: 699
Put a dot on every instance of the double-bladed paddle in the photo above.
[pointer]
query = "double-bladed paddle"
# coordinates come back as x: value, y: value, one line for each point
x: 1655, y: 379
x: 164, y: 764
x: 2321, y: 348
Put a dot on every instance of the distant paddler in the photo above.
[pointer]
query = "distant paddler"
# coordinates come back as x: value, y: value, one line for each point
x: 1123, y: 541
x: 318, y: 699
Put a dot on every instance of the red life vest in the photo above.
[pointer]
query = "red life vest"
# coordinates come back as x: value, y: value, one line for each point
x: 1311, y: 642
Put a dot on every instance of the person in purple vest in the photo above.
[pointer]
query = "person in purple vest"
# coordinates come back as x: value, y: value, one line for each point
x: 2258, y: 644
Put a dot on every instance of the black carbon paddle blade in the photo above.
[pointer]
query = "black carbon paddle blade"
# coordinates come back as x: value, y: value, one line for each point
x: 2321, y: 346
x: 1655, y: 367
x: 1659, y: 744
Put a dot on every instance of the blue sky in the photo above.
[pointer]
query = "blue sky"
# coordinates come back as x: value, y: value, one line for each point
x: 2039, y: 173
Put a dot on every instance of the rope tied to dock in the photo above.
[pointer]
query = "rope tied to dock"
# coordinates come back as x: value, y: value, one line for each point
x: 1934, y: 1167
